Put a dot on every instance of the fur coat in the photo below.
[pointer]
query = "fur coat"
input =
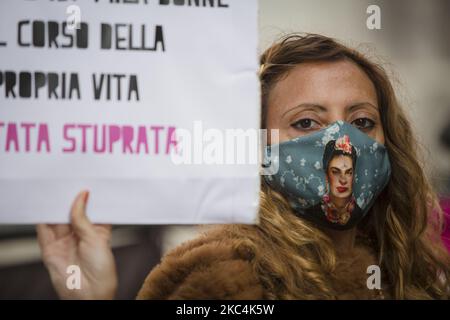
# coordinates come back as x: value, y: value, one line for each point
x: 216, y: 266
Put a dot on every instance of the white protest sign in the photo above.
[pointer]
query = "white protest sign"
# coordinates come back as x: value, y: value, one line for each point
x: 106, y: 95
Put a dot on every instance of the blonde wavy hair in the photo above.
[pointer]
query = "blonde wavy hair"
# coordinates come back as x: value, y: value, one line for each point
x: 404, y: 225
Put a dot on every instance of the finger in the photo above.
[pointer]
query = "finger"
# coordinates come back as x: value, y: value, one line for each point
x: 105, y: 227
x: 80, y: 222
x: 61, y: 230
x: 104, y: 230
x: 45, y: 234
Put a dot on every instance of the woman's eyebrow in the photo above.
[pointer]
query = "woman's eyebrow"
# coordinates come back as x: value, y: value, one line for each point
x: 307, y: 106
x: 360, y: 105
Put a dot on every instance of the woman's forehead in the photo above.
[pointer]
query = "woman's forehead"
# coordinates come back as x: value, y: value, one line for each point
x: 328, y: 84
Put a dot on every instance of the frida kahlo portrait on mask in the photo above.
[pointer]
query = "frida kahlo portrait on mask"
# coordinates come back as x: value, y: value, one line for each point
x: 339, y: 160
x: 313, y: 90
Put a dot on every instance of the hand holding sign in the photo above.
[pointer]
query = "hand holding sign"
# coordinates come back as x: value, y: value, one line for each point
x: 82, y: 244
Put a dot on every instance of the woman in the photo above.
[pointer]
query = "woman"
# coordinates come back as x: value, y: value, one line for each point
x: 339, y: 162
x: 313, y: 89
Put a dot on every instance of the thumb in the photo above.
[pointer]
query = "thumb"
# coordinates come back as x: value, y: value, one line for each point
x: 79, y: 221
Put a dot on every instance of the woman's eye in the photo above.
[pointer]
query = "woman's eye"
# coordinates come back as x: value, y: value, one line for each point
x: 305, y: 124
x: 363, y: 123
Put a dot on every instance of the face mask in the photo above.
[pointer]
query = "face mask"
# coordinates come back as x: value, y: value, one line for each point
x: 331, y: 177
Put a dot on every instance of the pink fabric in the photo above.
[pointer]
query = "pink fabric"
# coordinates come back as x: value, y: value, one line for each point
x: 445, y: 205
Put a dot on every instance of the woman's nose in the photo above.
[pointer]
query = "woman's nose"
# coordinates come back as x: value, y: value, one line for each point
x: 337, y: 113
x: 343, y: 181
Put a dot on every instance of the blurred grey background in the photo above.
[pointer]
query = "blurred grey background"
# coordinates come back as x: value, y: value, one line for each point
x: 413, y: 45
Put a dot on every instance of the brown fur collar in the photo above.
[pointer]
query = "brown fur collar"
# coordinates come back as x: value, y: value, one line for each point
x: 215, y: 266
